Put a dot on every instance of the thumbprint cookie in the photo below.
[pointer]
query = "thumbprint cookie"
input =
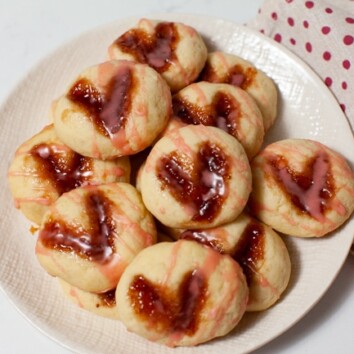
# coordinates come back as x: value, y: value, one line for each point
x: 260, y: 252
x: 223, y: 106
x: 44, y: 168
x: 181, y: 294
x: 196, y: 176
x: 103, y: 304
x: 231, y: 69
x: 174, y: 50
x: 113, y: 109
x: 302, y: 188
x: 90, y: 234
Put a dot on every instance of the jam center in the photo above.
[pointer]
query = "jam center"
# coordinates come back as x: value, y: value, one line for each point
x: 65, y: 169
x: 224, y: 112
x: 236, y: 76
x: 108, y: 110
x: 312, y: 189
x: 157, y: 50
x: 201, y: 184
x: 249, y: 250
x: 96, y: 242
x: 166, y: 310
x: 108, y: 298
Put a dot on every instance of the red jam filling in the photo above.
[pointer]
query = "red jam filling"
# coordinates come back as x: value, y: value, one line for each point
x: 170, y: 311
x: 201, y: 184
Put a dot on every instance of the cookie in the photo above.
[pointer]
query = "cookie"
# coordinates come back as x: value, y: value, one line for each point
x: 260, y: 252
x: 231, y: 69
x: 103, y: 304
x: 181, y: 294
x: 223, y: 106
x: 174, y: 50
x: 195, y: 177
x: 90, y: 234
x: 302, y: 188
x: 113, y: 109
x: 44, y: 168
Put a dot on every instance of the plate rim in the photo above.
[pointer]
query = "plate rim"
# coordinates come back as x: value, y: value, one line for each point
x: 25, y: 312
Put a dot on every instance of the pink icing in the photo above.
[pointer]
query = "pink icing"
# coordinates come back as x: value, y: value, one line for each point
x: 41, y: 201
x: 73, y: 293
x: 237, y: 79
x: 309, y: 198
x: 172, y: 263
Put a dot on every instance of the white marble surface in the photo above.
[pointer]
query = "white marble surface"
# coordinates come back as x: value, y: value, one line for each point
x: 31, y: 29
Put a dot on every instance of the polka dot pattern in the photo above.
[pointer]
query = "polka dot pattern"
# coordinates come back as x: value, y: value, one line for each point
x: 308, y: 47
x: 327, y: 56
x: 321, y: 35
x: 346, y: 64
x: 325, y: 29
x: 328, y: 10
x: 277, y: 37
x: 348, y: 39
x: 328, y: 81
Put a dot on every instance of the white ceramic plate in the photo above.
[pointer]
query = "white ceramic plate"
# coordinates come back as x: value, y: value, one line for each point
x: 307, y: 110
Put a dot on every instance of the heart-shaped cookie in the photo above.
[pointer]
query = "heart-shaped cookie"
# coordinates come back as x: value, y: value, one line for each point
x: 181, y: 293
x: 302, y: 188
x: 173, y: 49
x: 196, y: 176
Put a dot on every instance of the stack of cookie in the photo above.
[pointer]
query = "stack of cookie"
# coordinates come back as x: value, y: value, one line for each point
x: 153, y: 201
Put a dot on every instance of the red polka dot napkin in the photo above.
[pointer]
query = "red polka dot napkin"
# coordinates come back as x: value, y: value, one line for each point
x: 320, y: 32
